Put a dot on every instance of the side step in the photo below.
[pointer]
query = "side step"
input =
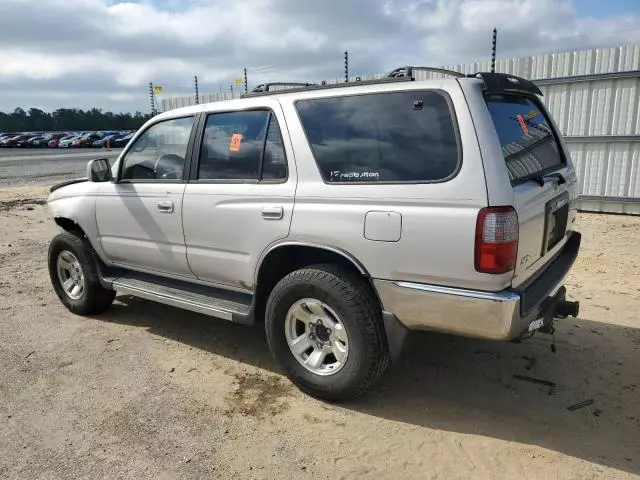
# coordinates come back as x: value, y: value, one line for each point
x: 215, y: 302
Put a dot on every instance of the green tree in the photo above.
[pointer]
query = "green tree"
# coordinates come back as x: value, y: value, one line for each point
x: 37, y: 120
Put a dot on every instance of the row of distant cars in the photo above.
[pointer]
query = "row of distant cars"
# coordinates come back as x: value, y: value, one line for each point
x: 102, y: 139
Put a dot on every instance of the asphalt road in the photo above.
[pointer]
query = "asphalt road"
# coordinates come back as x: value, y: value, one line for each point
x: 46, y: 166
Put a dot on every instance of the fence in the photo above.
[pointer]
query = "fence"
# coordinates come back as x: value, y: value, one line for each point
x: 594, y: 96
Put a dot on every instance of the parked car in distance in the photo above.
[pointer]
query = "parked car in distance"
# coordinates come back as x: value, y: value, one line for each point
x: 39, y: 141
x: 55, y: 139
x: 67, y: 141
x: 13, y: 142
x: 122, y: 141
x: 384, y: 206
x: 85, y: 140
x: 104, y: 141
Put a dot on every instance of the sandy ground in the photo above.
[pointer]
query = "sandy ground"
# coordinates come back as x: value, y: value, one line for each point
x: 147, y: 391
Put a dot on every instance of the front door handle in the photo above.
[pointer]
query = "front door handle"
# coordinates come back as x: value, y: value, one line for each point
x: 272, y: 213
x: 165, y: 207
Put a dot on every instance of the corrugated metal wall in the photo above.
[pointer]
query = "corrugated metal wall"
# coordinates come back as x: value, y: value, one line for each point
x: 594, y: 96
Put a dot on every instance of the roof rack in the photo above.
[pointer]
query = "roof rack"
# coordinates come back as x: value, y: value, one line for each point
x: 494, y: 82
x: 304, y: 87
x: 408, y: 72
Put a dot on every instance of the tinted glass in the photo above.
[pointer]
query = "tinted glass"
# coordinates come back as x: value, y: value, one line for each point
x: 275, y: 162
x: 388, y: 137
x: 528, y: 143
x: 232, y: 145
x: 159, y: 153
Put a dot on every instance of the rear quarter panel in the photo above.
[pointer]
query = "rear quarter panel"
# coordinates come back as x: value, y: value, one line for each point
x: 436, y: 244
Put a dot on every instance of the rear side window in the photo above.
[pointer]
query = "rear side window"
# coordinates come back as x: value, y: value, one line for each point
x: 528, y: 144
x: 389, y: 137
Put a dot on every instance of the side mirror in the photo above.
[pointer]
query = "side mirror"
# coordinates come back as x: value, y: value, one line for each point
x: 98, y: 170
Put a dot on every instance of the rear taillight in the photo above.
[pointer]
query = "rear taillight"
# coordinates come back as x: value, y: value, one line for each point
x: 496, y: 240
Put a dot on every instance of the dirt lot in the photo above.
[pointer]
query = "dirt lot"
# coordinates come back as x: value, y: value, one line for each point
x: 147, y: 391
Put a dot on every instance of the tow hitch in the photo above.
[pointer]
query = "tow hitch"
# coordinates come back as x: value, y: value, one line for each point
x: 558, y: 307
x: 565, y: 309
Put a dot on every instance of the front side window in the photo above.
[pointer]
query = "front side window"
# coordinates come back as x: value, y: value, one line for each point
x: 388, y: 137
x: 159, y: 153
x: 243, y: 145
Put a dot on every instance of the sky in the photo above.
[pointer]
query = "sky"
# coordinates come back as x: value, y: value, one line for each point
x: 103, y: 53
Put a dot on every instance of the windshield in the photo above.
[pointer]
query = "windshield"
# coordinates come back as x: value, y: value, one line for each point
x: 528, y: 143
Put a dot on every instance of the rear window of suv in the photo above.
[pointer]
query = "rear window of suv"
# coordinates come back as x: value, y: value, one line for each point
x: 388, y: 137
x: 528, y: 143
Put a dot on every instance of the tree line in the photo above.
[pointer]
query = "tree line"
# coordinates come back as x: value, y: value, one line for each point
x: 63, y: 119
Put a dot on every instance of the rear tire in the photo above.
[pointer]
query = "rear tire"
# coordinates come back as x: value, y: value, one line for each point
x: 74, y: 275
x: 328, y: 299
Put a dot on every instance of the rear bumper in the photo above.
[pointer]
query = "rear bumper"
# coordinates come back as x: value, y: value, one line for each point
x: 504, y: 315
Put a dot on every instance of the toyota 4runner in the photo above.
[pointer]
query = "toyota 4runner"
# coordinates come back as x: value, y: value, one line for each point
x: 340, y: 216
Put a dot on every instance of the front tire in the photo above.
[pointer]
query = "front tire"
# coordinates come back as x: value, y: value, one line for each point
x: 324, y: 328
x: 74, y: 275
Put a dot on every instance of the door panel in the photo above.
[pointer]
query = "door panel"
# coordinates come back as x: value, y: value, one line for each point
x: 241, y: 196
x: 140, y: 216
x: 140, y: 225
x: 228, y: 226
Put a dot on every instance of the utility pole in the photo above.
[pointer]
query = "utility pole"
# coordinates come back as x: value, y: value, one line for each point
x: 195, y: 81
x: 246, y: 83
x: 346, y: 66
x: 152, y: 99
x: 493, y: 51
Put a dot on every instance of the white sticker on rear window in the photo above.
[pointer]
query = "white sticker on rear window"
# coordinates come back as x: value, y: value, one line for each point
x: 338, y: 176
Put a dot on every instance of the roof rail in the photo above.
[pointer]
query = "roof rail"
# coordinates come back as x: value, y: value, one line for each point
x: 304, y: 87
x: 402, y: 74
x: 408, y: 72
x: 267, y: 87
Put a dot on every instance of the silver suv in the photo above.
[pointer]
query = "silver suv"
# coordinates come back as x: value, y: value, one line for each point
x: 340, y: 216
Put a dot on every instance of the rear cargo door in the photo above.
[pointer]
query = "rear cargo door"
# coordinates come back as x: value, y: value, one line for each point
x: 541, y: 175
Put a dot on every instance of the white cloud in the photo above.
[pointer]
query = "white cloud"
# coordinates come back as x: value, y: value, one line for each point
x: 107, y: 51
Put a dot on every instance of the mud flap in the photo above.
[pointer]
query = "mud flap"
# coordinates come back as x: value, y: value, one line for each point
x: 396, y: 335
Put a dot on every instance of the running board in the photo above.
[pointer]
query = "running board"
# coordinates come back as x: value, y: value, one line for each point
x: 232, y: 306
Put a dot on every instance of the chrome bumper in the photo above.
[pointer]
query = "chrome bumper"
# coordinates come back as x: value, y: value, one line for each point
x: 452, y: 310
x: 504, y: 315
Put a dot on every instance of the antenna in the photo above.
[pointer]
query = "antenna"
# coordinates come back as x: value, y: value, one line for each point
x: 346, y: 66
x: 246, y: 83
x: 152, y: 99
x: 195, y: 81
x: 493, y: 51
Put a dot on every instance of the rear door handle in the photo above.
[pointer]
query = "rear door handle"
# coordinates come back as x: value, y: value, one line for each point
x: 272, y: 213
x: 165, y: 207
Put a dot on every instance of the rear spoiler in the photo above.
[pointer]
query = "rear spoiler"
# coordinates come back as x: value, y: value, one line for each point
x: 493, y: 82
x: 505, y: 83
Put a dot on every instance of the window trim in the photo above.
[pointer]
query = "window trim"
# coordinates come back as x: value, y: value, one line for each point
x: 187, y: 155
x: 197, y: 149
x: 456, y: 128
x: 556, y: 136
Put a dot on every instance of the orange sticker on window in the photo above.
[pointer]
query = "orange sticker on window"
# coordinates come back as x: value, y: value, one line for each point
x: 522, y: 123
x: 236, y: 139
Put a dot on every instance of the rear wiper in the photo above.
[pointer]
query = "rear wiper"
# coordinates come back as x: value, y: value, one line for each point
x: 542, y: 179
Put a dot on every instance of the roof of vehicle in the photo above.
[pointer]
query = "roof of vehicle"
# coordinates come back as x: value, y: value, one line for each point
x: 398, y: 79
